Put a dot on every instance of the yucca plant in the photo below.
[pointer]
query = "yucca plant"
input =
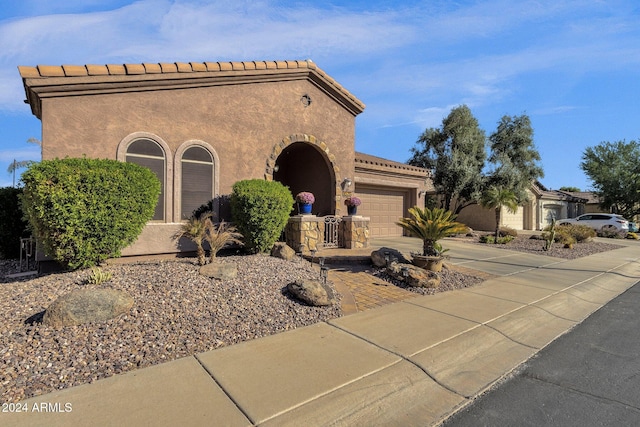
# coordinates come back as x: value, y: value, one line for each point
x: 220, y: 235
x: 431, y: 225
x: 195, y: 229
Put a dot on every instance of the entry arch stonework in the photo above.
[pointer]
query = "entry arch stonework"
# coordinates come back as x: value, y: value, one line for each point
x: 321, y: 146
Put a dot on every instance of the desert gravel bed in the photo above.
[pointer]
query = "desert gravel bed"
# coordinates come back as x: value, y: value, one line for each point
x: 176, y: 313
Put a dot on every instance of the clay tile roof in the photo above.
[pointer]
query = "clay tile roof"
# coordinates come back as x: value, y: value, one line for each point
x: 198, y: 66
x: 152, y: 68
x: 379, y: 161
x: 74, y: 70
x: 97, y: 70
x: 116, y: 69
x: 135, y: 68
x: 28, y: 72
x: 168, y: 67
x: 258, y: 69
x: 184, y: 67
x: 50, y: 71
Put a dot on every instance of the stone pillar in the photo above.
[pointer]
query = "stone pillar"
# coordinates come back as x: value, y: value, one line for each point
x: 355, y: 231
x: 306, y: 231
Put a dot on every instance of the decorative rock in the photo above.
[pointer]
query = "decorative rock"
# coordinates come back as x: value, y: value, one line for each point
x: 219, y: 270
x: 377, y: 257
x: 415, y: 276
x: 282, y: 250
x: 87, y: 305
x: 311, y: 292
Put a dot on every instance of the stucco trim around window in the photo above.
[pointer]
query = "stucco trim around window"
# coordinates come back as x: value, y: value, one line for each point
x: 177, y: 196
x: 121, y: 155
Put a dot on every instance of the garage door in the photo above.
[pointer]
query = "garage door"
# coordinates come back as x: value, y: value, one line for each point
x: 384, y: 207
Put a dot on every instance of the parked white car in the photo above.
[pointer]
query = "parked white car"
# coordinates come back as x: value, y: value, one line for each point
x: 599, y: 221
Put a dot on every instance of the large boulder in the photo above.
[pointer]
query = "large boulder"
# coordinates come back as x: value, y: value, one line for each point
x: 219, y: 270
x: 281, y: 250
x: 378, y: 256
x: 414, y: 276
x: 87, y: 305
x: 311, y: 292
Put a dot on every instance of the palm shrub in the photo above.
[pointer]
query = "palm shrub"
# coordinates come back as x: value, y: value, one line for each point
x: 496, y: 198
x: 220, y: 235
x: 260, y: 210
x: 84, y: 211
x: 431, y: 225
x: 12, y: 224
x: 195, y: 229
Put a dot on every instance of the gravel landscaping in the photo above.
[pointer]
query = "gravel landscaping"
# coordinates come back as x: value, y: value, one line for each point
x: 177, y: 312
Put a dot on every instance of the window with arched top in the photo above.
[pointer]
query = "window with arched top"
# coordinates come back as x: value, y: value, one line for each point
x: 148, y: 153
x: 197, y: 180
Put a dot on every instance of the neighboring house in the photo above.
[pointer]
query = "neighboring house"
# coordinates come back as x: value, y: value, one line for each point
x: 202, y: 126
x: 543, y: 206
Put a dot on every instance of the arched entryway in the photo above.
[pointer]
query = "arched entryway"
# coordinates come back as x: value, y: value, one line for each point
x: 303, y: 167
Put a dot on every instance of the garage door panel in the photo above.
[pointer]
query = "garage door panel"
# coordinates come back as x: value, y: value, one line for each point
x: 384, y: 206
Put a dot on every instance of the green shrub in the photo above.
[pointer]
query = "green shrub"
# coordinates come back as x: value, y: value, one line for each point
x: 84, y: 211
x: 99, y: 276
x: 12, y: 224
x: 491, y: 239
x: 260, y: 210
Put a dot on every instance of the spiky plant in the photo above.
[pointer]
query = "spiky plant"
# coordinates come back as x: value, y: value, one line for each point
x: 220, y: 235
x: 431, y: 225
x: 195, y: 229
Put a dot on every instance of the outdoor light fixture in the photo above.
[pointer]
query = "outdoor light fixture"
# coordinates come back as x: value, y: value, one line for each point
x: 421, y: 193
x: 346, y: 183
x: 276, y: 168
x: 313, y: 254
x: 324, y: 271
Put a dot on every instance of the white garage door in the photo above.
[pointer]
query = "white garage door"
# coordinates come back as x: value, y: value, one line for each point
x: 384, y: 207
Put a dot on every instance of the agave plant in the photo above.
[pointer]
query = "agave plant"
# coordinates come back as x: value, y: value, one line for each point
x: 431, y: 225
x: 220, y: 235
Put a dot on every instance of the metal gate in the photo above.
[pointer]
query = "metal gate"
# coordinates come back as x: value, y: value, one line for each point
x: 332, y: 232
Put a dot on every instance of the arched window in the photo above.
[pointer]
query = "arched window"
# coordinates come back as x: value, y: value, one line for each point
x: 198, y: 177
x: 148, y: 153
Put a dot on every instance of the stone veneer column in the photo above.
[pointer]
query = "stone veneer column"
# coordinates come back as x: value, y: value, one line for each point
x: 306, y: 231
x: 355, y: 231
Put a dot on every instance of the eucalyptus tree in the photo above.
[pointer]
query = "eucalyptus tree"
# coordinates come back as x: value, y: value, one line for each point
x: 455, y: 153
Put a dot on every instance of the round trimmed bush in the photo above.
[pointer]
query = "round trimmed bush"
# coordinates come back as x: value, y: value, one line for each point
x: 260, y: 210
x: 84, y: 211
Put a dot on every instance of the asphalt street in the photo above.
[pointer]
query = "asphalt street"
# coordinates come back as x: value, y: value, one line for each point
x: 588, y: 377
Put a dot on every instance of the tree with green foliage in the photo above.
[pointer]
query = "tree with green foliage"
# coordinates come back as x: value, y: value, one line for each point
x: 84, y: 211
x: 614, y: 171
x: 496, y: 198
x: 260, y: 210
x: 514, y: 157
x: 456, y: 154
x: 570, y: 189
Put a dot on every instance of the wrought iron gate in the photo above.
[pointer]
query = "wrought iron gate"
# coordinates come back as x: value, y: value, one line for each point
x: 332, y: 231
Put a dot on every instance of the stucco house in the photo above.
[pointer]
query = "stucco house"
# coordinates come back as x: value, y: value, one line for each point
x: 543, y: 206
x: 202, y: 126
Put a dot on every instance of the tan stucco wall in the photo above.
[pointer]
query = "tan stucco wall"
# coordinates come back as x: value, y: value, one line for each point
x: 243, y: 123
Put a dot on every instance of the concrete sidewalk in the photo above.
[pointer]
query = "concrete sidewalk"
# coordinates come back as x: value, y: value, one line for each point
x: 408, y: 363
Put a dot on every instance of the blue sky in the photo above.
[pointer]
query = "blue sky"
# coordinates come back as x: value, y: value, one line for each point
x: 572, y: 66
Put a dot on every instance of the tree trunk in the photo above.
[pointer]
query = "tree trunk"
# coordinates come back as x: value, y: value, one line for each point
x: 497, y: 224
